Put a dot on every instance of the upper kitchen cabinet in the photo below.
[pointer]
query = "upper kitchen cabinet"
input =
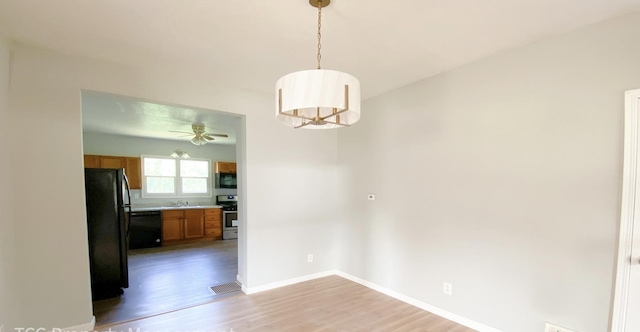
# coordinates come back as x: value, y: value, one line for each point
x: 113, y: 162
x: 131, y: 167
x: 91, y: 161
x: 225, y: 167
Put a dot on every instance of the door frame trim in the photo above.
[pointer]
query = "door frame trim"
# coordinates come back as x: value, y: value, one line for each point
x: 628, y: 209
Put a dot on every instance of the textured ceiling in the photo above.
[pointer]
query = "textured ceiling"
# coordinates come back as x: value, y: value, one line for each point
x: 127, y: 116
x: 251, y: 43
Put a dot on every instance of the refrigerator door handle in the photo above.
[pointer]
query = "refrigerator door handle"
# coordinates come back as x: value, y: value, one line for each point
x: 126, y: 182
x: 127, y: 205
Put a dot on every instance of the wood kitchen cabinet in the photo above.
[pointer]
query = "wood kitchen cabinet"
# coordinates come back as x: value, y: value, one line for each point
x: 91, y: 161
x: 180, y: 226
x: 131, y: 165
x: 172, y: 229
x: 113, y: 162
x: 193, y: 224
x: 213, y: 224
x: 133, y: 169
x: 225, y: 167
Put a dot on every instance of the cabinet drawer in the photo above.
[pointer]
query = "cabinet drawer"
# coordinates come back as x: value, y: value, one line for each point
x: 212, y: 212
x: 213, y: 218
x: 212, y: 232
x: 172, y: 214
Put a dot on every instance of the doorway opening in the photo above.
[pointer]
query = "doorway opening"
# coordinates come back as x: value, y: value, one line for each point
x: 179, y: 273
x: 626, y: 302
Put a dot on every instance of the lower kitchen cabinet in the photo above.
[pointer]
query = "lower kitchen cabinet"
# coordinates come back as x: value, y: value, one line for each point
x: 213, y: 223
x: 191, y: 225
x: 172, y: 225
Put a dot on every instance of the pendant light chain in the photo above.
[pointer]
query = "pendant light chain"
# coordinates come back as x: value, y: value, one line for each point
x: 319, y: 34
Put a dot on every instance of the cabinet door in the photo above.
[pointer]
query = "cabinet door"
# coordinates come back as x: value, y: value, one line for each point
x: 220, y: 167
x: 171, y: 229
x: 134, y: 172
x: 225, y: 167
x: 112, y: 162
x: 193, y: 224
x: 91, y: 161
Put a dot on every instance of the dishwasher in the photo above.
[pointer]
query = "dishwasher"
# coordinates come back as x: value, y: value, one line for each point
x: 145, y: 229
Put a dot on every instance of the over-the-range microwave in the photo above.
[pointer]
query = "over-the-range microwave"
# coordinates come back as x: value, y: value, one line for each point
x: 226, y: 180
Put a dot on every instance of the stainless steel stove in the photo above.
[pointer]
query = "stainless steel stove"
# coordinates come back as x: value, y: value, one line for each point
x: 229, y: 205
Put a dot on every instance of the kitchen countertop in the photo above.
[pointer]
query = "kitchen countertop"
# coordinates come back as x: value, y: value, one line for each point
x: 161, y: 208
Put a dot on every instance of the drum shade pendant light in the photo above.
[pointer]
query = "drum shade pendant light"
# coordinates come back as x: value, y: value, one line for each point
x: 319, y: 98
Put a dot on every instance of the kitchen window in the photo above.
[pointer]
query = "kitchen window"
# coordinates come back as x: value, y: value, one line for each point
x: 171, y: 177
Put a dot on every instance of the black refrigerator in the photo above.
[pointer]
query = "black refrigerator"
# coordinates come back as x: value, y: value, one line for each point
x: 107, y: 197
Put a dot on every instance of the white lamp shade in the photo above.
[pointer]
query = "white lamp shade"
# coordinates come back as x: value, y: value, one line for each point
x: 308, y: 90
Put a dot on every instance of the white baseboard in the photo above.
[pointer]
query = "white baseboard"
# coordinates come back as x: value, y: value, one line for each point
x: 409, y: 300
x: 422, y: 305
x: 82, y: 327
x: 274, y: 285
x: 240, y: 281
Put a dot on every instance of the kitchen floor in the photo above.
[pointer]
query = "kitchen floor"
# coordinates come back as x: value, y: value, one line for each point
x: 169, y: 278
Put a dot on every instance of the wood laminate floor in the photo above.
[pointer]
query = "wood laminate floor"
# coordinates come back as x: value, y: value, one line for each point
x: 326, y: 304
x: 170, y: 278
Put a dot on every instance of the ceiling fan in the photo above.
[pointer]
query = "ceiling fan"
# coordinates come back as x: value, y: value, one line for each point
x: 201, y: 137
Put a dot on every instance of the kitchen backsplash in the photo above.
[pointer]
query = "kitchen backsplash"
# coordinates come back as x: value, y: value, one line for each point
x: 139, y: 201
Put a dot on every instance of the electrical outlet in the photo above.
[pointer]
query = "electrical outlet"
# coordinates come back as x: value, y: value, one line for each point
x: 548, y: 327
x: 448, y: 289
x: 371, y: 197
x: 309, y: 258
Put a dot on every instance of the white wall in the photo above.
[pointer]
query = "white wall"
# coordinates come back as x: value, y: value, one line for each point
x: 502, y: 177
x: 290, y: 178
x: 117, y: 145
x: 7, y: 297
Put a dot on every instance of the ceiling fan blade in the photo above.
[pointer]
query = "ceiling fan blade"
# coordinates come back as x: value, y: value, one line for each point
x: 218, y: 135
x: 180, y: 132
x: 207, y: 137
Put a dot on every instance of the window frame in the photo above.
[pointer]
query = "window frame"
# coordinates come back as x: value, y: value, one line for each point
x: 177, y: 178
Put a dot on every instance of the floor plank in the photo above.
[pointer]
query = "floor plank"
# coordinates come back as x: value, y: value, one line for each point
x: 170, y: 278
x: 325, y: 304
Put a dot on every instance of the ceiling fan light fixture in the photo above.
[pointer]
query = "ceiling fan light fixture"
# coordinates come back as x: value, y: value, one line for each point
x: 318, y: 99
x: 198, y: 140
x: 200, y: 135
